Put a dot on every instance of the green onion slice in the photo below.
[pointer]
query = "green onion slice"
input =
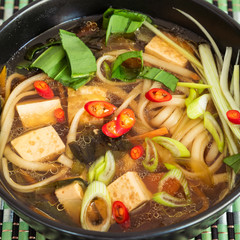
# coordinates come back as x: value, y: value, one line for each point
x: 150, y: 163
x: 175, y: 147
x: 198, y: 106
x: 213, y: 127
x: 192, y: 95
x: 194, y: 85
x: 96, y: 190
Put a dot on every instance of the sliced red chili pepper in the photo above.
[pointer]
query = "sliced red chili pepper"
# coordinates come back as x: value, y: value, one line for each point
x: 120, y: 212
x: 125, y: 120
x: 158, y: 95
x: 99, y: 109
x: 43, y: 89
x: 59, y: 115
x: 110, y: 130
x: 137, y: 152
x: 233, y: 116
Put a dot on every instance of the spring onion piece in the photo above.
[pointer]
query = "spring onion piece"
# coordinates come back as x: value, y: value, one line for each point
x: 82, y: 60
x: 198, y: 106
x: 122, y: 21
x: 123, y: 73
x: 169, y: 166
x: 183, y: 51
x: 175, y: 147
x: 159, y: 75
x: 213, y: 43
x: 168, y: 200
x: 96, y: 191
x: 103, y: 169
x: 213, y: 127
x: 193, y: 85
x: 107, y: 70
x: 150, y: 163
x: 192, y: 95
x: 236, y: 87
x: 212, y: 78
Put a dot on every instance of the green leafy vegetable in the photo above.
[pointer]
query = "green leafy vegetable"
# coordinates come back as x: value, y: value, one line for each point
x: 161, y: 76
x: 122, y: 21
x: 123, y: 73
x: 233, y: 162
x: 81, y: 59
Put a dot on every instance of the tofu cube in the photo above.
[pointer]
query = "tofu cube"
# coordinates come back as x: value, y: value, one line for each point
x: 77, y: 99
x: 129, y: 189
x: 161, y: 49
x: 42, y: 144
x: 38, y: 112
x: 70, y: 197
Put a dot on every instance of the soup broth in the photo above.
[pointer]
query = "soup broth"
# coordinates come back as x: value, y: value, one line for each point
x: 52, y: 161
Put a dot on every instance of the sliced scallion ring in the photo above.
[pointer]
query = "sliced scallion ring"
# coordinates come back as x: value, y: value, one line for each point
x: 175, y: 147
x: 96, y: 191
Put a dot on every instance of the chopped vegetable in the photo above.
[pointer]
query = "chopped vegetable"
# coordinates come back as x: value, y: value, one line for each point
x: 233, y: 162
x: 175, y: 147
x: 168, y: 200
x: 198, y: 106
x: 82, y: 60
x: 120, y: 212
x: 158, y: 95
x: 233, y: 116
x: 150, y: 163
x: 59, y: 115
x: 99, y: 109
x: 159, y: 75
x: 192, y: 95
x: 122, y: 21
x: 213, y: 127
x: 98, y: 166
x: 121, y: 72
x: 158, y: 132
x: 163, y: 196
x: 110, y: 129
x: 137, y: 152
x: 96, y: 191
x: 43, y: 89
x: 125, y: 121
x: 193, y: 85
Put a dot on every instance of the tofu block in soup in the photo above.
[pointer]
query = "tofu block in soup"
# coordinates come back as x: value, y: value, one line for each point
x: 118, y: 127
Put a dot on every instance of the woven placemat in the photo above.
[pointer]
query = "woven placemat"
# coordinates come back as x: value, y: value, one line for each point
x: 13, y: 227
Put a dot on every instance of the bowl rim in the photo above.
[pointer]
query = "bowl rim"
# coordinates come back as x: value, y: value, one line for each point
x: 157, y: 232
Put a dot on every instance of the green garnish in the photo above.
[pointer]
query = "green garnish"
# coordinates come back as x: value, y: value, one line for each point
x: 123, y: 73
x: 159, y: 75
x: 81, y: 59
x: 120, y: 21
x: 233, y: 162
x: 192, y: 95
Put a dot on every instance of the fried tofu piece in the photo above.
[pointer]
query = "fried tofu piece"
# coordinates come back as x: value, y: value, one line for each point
x: 161, y: 49
x: 129, y: 189
x: 38, y: 112
x: 70, y: 197
x: 77, y: 99
x: 43, y: 144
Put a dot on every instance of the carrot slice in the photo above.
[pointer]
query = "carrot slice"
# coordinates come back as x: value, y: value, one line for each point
x: 158, y: 132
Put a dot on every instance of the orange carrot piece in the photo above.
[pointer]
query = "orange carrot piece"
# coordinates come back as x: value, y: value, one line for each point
x: 158, y: 132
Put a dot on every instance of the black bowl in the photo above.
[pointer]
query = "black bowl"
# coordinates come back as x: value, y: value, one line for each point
x: 40, y: 16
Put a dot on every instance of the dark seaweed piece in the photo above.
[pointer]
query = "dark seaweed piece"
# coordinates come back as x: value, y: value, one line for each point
x: 68, y: 181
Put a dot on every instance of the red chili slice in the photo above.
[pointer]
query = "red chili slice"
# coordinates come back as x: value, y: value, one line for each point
x: 137, y: 152
x: 99, y: 109
x: 120, y: 212
x: 233, y: 116
x: 43, y: 89
x: 158, y: 95
x: 109, y: 129
x: 125, y: 121
x: 59, y: 115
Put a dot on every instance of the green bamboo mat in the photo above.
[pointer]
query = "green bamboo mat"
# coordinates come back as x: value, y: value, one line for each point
x: 12, y: 227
